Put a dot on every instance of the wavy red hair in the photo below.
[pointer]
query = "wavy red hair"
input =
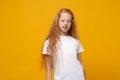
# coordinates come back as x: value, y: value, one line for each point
x: 54, y: 32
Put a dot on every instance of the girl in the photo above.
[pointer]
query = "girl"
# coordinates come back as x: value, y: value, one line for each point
x: 62, y: 49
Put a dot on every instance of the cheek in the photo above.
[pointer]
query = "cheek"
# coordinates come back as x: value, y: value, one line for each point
x: 69, y: 25
x: 60, y: 24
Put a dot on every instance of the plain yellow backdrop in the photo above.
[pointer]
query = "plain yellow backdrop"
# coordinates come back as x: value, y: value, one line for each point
x: 24, y: 24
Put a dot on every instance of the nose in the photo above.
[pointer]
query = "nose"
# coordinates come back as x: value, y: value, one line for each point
x: 65, y: 22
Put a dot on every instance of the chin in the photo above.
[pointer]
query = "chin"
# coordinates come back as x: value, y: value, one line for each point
x: 65, y: 31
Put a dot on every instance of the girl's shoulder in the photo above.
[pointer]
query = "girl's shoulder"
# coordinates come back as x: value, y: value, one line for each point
x: 75, y: 39
x: 46, y: 42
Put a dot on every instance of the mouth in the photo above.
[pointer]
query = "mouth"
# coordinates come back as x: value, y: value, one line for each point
x: 65, y: 27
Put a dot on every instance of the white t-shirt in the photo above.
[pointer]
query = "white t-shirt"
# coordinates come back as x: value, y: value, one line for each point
x: 67, y: 66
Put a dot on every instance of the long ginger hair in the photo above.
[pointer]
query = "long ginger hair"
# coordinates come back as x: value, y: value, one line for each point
x: 54, y: 32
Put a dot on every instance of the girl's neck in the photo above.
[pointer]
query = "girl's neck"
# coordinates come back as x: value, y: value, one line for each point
x: 64, y: 34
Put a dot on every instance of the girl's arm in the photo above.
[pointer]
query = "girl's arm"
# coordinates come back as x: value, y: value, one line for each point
x: 79, y: 56
x: 48, y: 60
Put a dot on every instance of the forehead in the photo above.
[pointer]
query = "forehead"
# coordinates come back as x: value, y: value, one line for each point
x: 65, y: 15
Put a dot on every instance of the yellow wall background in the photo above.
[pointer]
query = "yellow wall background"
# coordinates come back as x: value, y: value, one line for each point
x: 24, y: 24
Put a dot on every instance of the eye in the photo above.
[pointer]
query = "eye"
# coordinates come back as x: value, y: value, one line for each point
x: 69, y: 21
x: 62, y: 20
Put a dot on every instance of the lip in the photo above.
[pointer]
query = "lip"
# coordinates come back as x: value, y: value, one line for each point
x: 65, y: 27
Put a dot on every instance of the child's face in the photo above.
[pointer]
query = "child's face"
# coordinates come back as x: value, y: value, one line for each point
x: 65, y: 22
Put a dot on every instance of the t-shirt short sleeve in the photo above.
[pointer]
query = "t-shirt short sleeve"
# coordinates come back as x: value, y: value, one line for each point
x: 44, y: 51
x: 80, y: 47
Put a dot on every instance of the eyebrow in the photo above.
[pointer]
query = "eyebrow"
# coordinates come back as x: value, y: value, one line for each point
x: 67, y: 19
